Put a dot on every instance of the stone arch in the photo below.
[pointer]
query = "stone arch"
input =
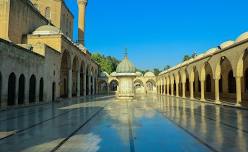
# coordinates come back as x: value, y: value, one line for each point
x: 21, y: 90
x: 87, y: 80
x: 82, y: 73
x: 244, y: 82
x: 92, y: 81
x: 172, y: 82
x: 139, y: 86
x: 113, y: 85
x: 151, y: 86
x: 41, y: 90
x: 11, y: 89
x: 197, y: 83
x: 75, y: 68
x: 227, y: 79
x: 209, y: 81
x: 64, y: 73
x: 103, y: 86
x: 32, y: 89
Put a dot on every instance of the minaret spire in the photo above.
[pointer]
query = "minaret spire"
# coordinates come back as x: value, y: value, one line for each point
x: 81, y: 20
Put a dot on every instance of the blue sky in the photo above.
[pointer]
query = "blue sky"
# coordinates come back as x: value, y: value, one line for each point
x: 160, y: 32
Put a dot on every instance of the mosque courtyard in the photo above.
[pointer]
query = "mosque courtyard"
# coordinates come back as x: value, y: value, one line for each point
x: 103, y: 123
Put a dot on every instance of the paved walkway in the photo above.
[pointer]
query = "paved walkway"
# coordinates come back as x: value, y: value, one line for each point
x: 154, y: 123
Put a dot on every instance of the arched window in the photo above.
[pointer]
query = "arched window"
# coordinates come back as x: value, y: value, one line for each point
x: 48, y: 13
x: 41, y: 90
x: 32, y: 89
x: 208, y: 83
x: 231, y: 82
x: 11, y: 89
x: 21, y: 89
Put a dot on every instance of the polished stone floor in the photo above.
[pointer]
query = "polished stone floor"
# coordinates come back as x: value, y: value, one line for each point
x: 149, y: 123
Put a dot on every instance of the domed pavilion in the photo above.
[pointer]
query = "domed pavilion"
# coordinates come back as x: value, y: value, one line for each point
x: 126, y: 73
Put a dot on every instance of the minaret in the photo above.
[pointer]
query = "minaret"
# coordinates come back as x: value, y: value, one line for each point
x: 81, y: 20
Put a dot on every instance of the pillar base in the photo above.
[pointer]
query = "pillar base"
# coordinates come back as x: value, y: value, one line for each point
x: 217, y: 102
x: 202, y: 100
x: 237, y: 105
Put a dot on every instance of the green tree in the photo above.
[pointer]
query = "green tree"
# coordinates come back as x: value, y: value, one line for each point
x: 156, y: 71
x: 167, y: 67
x: 107, y: 64
x: 186, y: 57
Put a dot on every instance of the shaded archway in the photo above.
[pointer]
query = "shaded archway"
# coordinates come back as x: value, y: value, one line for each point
x: 244, y: 84
x: 75, y: 67
x: 209, y: 82
x: 228, y: 81
x: 53, y: 91
x: 82, y: 73
x: 32, y: 89
x: 103, y: 87
x: 11, y: 89
x: 187, y: 83
x: 92, y: 81
x: 64, y: 73
x: 113, y: 85
x: 41, y: 90
x: 231, y: 82
x: 21, y: 90
x: 197, y: 84
x: 139, y: 86
x: 87, y: 81
x: 0, y: 89
x: 150, y: 86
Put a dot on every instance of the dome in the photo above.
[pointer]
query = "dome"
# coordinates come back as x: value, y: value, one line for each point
x: 113, y: 74
x: 149, y: 74
x: 139, y: 73
x: 104, y: 74
x: 46, y: 30
x: 125, y: 66
x: 226, y: 44
x: 210, y: 51
x: 242, y: 37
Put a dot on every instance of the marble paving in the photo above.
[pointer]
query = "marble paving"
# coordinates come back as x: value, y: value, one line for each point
x: 104, y: 124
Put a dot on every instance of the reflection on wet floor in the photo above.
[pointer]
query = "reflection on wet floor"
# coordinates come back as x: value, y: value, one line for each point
x: 149, y: 123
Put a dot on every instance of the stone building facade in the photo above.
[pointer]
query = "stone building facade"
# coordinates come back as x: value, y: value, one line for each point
x: 219, y: 75
x: 38, y: 60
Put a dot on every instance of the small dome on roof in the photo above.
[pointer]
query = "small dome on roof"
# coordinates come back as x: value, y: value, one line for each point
x: 242, y: 37
x: 104, y: 74
x: 113, y: 74
x: 226, y: 44
x: 139, y: 73
x: 46, y: 30
x: 149, y: 74
x: 125, y: 66
x: 210, y: 51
